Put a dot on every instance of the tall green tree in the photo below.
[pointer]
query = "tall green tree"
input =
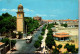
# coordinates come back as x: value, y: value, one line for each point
x: 31, y: 24
x: 6, y: 41
x: 70, y: 48
x: 20, y: 35
x: 50, y: 40
x: 40, y: 38
x: 37, y: 44
x: 13, y: 42
x: 7, y: 23
x: 59, y: 46
x: 6, y: 15
x: 65, y: 25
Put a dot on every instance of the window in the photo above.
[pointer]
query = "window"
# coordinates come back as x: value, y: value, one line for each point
x: 19, y: 9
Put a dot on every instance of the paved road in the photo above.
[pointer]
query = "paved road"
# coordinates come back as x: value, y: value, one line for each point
x: 23, y: 47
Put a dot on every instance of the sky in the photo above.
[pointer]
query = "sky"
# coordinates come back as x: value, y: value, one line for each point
x: 47, y: 9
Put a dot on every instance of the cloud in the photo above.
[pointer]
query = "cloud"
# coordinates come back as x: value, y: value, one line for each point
x: 41, y: 14
x: 26, y: 9
x: 52, y: 15
x: 11, y: 10
x: 26, y: 14
x: 15, y: 10
x: 46, y: 15
x: 32, y: 10
x: 4, y: 9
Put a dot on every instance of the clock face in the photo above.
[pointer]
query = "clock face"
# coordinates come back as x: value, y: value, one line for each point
x: 19, y: 15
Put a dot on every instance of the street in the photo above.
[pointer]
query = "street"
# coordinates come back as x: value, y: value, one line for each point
x: 28, y: 48
x: 23, y: 47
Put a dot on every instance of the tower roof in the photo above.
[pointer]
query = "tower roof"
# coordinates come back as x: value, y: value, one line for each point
x: 20, y: 6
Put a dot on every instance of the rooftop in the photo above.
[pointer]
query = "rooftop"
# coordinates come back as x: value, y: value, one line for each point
x: 50, y: 20
x: 20, y: 6
x: 69, y: 20
x: 1, y: 43
x: 61, y: 35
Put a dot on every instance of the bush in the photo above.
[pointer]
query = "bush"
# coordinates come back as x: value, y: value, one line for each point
x: 37, y: 44
x: 59, y: 46
x: 70, y: 48
x: 55, y: 51
x: 66, y: 46
x: 42, y: 33
x: 76, y: 50
x: 40, y: 38
x: 66, y: 52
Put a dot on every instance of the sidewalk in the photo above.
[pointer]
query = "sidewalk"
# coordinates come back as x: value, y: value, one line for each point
x: 43, y: 42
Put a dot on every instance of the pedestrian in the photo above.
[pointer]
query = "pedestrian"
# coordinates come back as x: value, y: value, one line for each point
x: 44, y: 52
x: 43, y: 46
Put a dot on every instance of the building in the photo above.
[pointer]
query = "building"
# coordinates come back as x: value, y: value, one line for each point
x: 2, y: 48
x: 61, y: 36
x: 69, y: 22
x: 50, y: 21
x: 45, y: 21
x: 37, y: 18
x: 20, y: 19
x: 73, y: 23
x: 54, y: 29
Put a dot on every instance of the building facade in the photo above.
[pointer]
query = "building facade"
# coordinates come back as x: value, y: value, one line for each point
x: 20, y: 19
x: 69, y: 22
x: 37, y: 18
x: 62, y: 36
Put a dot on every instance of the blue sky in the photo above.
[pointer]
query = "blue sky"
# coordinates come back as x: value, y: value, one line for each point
x: 47, y: 9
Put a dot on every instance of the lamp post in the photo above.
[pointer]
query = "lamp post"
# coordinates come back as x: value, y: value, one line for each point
x: 10, y: 45
x: 17, y: 34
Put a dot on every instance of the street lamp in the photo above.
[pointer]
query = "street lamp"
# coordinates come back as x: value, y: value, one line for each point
x: 16, y: 32
x: 10, y: 45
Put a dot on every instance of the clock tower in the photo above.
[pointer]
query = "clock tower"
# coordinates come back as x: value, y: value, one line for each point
x: 20, y: 19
